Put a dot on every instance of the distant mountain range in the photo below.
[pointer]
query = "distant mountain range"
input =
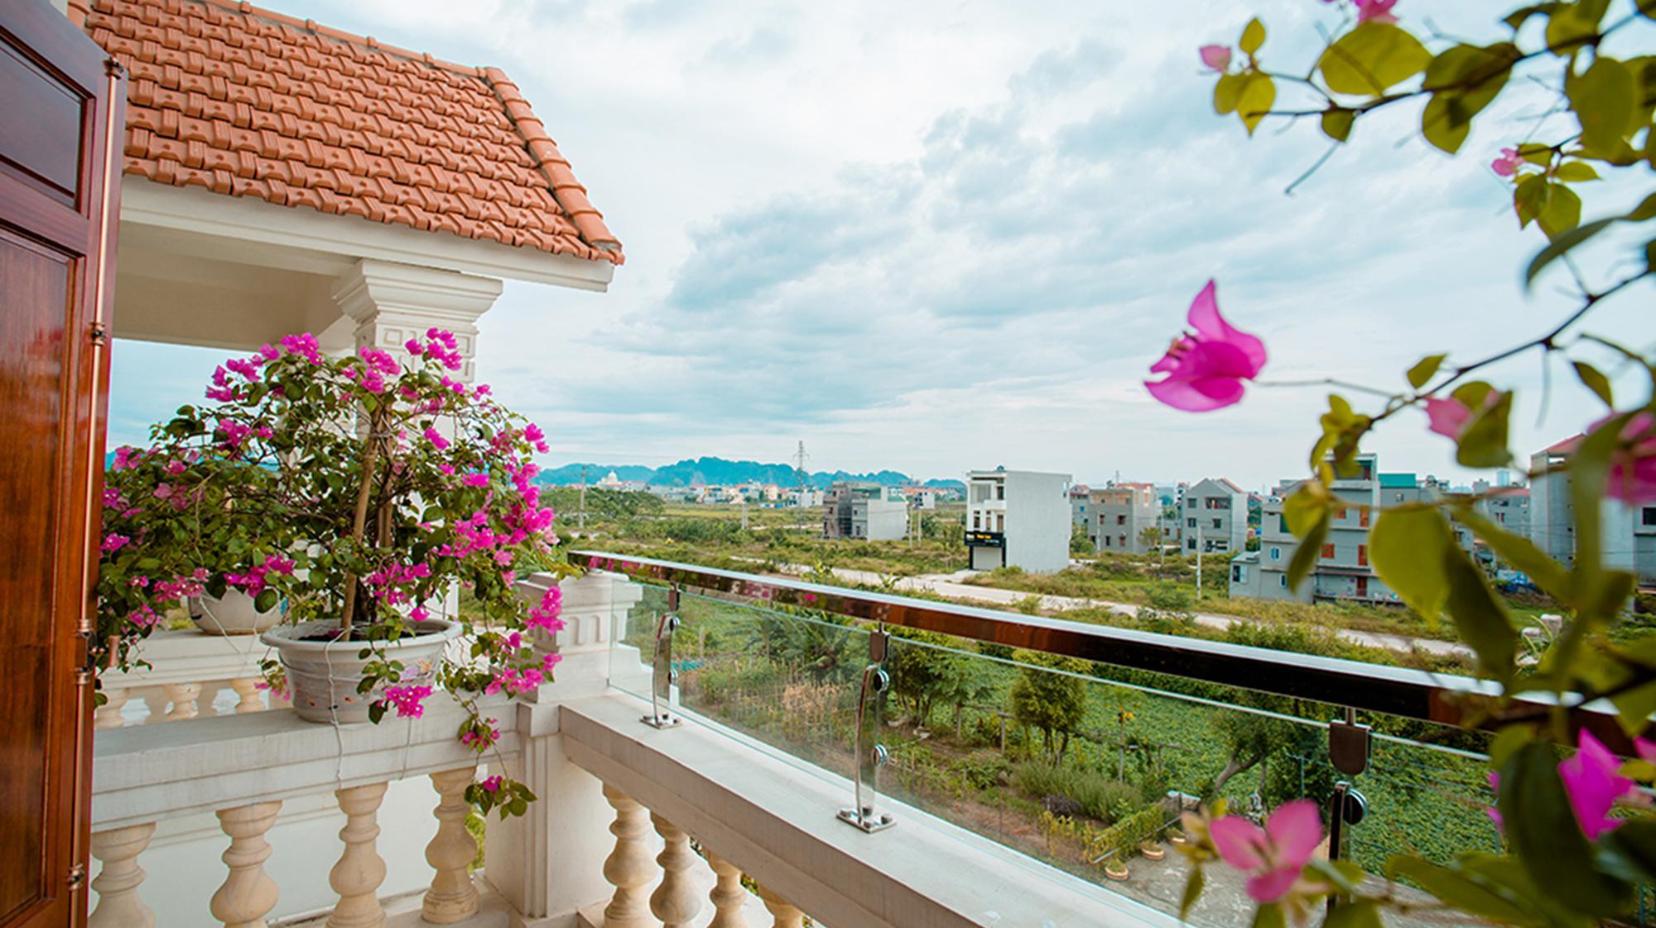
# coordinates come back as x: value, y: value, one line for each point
x: 707, y: 471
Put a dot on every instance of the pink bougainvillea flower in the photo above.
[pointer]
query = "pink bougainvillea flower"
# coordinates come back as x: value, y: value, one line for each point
x: 114, y: 542
x: 492, y: 784
x: 1215, y: 57
x: 1633, y: 466
x: 1646, y: 749
x: 1378, y: 11
x: 1205, y: 368
x: 1274, y: 855
x: 407, y: 700
x: 1507, y: 164
x: 1450, y: 417
x: 1593, y: 781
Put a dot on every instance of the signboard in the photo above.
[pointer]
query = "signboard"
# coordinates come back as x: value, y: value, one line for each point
x: 986, y: 539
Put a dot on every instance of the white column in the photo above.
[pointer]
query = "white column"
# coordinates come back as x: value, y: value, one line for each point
x: 117, y: 883
x: 360, y: 871
x: 728, y: 896
x: 676, y: 901
x: 628, y: 868
x: 389, y: 303
x: 248, y: 893
x: 452, y: 896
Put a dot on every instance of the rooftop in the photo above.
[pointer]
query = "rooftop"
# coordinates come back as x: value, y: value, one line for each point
x: 252, y: 103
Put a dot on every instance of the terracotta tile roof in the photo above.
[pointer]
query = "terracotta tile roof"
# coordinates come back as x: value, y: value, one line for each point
x: 248, y: 102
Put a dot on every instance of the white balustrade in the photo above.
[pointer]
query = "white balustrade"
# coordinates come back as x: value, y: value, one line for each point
x: 728, y: 896
x: 677, y: 900
x: 628, y: 868
x: 117, y: 883
x: 248, y: 893
x: 786, y: 914
x: 453, y: 895
x: 361, y: 870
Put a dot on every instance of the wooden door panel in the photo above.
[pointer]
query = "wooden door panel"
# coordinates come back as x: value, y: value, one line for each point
x: 34, y: 308
x: 60, y: 109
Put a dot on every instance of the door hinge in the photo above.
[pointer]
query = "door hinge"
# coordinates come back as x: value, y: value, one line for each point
x: 77, y: 876
x: 99, y: 333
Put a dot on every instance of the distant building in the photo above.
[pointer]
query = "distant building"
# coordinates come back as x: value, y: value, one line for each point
x: 1018, y: 518
x: 1215, y: 514
x: 1117, y: 516
x: 1628, y: 533
x: 1506, y: 505
x: 806, y: 498
x: 865, y: 511
x: 921, y: 497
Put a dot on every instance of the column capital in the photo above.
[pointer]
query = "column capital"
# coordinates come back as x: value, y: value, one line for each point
x: 391, y: 303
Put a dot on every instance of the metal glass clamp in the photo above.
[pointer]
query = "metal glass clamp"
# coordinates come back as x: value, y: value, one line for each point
x: 871, y: 754
x: 662, y: 674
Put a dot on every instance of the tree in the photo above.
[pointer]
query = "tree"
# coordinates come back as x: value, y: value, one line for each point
x: 1080, y: 541
x: 1050, y: 696
x: 1151, y: 538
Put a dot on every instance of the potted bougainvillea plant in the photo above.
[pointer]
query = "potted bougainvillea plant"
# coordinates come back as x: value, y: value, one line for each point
x: 1570, y: 787
x: 356, y: 495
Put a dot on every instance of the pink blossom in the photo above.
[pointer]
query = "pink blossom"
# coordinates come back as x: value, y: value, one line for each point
x: 407, y: 700
x: 1507, y: 164
x: 476, y: 480
x: 1632, y: 476
x: 1593, y: 781
x: 114, y: 542
x: 475, y: 739
x: 176, y: 467
x: 492, y: 784
x: 414, y: 347
x: 1274, y: 855
x: 436, y: 438
x: 548, y: 661
x: 304, y: 345
x: 1450, y: 417
x: 1378, y: 11
x: 544, y: 615
x: 125, y: 457
x: 1205, y: 368
x: 1215, y: 57
x: 1646, y: 749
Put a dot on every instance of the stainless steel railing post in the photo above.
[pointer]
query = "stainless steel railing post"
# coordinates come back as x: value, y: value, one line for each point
x: 871, y: 754
x: 662, y: 674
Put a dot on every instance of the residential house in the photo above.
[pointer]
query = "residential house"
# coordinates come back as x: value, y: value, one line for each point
x: 1628, y: 533
x: 1018, y: 518
x: 866, y: 511
x: 1215, y: 515
x: 1120, y: 514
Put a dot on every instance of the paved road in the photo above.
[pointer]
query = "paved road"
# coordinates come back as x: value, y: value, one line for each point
x: 950, y: 586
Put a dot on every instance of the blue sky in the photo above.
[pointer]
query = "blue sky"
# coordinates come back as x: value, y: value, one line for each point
x: 940, y: 236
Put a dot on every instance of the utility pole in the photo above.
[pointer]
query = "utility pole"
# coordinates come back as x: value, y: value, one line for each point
x: 582, y: 516
x: 1200, y: 544
x: 799, y: 471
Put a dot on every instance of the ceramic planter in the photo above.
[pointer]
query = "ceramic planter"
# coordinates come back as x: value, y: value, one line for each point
x: 234, y: 614
x: 1150, y: 850
x: 1116, y: 870
x: 323, y: 675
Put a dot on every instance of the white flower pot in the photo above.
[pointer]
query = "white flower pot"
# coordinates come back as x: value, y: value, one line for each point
x: 234, y: 614
x: 323, y: 675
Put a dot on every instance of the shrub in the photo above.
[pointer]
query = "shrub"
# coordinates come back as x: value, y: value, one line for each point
x: 1085, y: 792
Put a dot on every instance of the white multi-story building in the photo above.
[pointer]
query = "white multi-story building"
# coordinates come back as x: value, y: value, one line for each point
x: 1017, y: 518
x: 1628, y: 533
x: 865, y: 511
x: 1215, y: 514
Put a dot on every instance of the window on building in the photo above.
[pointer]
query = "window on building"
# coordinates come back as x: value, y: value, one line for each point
x: 1106, y: 541
x: 1282, y: 524
x: 1190, y: 544
x: 1276, y: 554
x: 977, y: 520
x: 1648, y: 516
x: 1362, y: 555
x: 1339, y: 512
x: 1216, y: 523
x: 1363, y: 517
x: 1239, y: 573
x: 1190, y: 523
x: 1121, y: 519
x: 1282, y: 580
x: 1000, y: 491
x: 1328, y: 550
x: 1123, y: 539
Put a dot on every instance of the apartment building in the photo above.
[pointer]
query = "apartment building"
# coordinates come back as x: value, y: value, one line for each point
x: 1628, y: 532
x: 1117, y: 516
x: 1018, y: 518
x: 866, y: 511
x: 1215, y: 514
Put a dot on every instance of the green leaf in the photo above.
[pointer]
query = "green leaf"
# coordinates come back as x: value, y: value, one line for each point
x: 1520, y: 552
x: 1253, y: 36
x: 265, y: 601
x: 1630, y: 851
x: 1593, y: 379
x: 1192, y: 890
x: 1561, y: 212
x: 1529, y: 198
x: 1575, y: 172
x: 1425, y: 369
x: 1269, y: 915
x: 1371, y: 58
x: 1310, y: 548
x: 1407, y: 548
x: 1226, y: 91
x: 1602, y: 98
x: 1465, y: 79
x: 1481, y: 618
x: 1562, y: 244
x: 1257, y: 95
x: 1337, y: 122
x: 1483, y: 443
x: 1462, y: 890
x: 1647, y: 207
x: 1541, y: 829
x: 1589, y: 470
x: 1359, y: 913
x: 1570, y: 24
x: 1304, y: 508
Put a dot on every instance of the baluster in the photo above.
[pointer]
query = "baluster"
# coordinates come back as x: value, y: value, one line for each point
x: 118, y: 881
x: 676, y: 901
x: 248, y: 689
x: 728, y: 897
x: 628, y: 868
x: 183, y: 696
x: 452, y: 896
x: 783, y: 913
x: 360, y: 871
x: 248, y: 893
x: 108, y: 715
x: 156, y: 700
